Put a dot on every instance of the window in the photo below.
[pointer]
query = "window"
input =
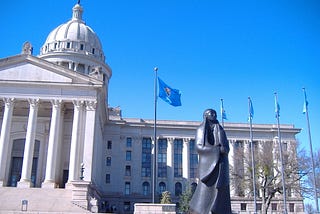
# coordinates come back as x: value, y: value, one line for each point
x: 238, y: 144
x: 178, y: 189
x: 146, y: 188
x: 178, y: 157
x: 259, y: 206
x: 193, y: 159
x: 108, y: 161
x: 129, y: 142
x: 243, y: 206
x: 162, y: 158
x: 239, y: 167
x: 146, y: 157
x: 128, y: 171
x: 109, y: 144
x: 162, y: 187
x: 92, y: 50
x: 108, y: 178
x: 291, y: 207
x: 68, y: 44
x: 128, y: 155
x: 126, y: 206
x: 193, y: 187
x: 81, y: 47
x: 273, y: 206
x: 289, y: 192
x: 127, y: 188
x: 285, y: 146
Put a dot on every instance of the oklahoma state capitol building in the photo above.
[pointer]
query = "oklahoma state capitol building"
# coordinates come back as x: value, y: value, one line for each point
x: 63, y: 149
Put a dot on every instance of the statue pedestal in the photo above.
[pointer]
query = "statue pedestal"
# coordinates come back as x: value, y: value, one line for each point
x: 144, y: 208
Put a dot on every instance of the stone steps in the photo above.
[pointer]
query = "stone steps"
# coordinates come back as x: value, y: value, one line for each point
x: 39, y: 200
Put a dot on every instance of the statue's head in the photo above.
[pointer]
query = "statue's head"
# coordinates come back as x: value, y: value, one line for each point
x: 210, y: 114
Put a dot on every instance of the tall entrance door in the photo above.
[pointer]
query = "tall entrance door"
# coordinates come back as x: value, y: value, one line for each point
x: 17, y: 160
x: 15, y: 172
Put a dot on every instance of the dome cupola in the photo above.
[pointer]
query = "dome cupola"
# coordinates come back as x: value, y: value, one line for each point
x: 75, y: 46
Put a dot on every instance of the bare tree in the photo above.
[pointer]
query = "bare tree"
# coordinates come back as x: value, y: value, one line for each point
x: 308, y: 184
x: 268, y: 171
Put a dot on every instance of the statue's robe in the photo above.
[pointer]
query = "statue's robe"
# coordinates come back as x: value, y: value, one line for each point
x: 212, y: 194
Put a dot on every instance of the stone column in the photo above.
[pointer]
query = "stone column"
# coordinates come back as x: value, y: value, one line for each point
x: 232, y: 167
x: 74, y: 166
x: 185, y: 158
x: 70, y: 65
x: 276, y: 161
x: 246, y: 166
x: 25, y: 180
x: 75, y: 66
x: 49, y: 181
x: 86, y: 69
x: 170, y: 165
x: 5, y: 137
x: 89, y: 139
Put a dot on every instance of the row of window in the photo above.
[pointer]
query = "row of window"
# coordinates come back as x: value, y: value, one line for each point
x: 146, y: 187
x: 67, y: 45
x: 274, y: 207
x: 146, y: 160
x: 240, y: 144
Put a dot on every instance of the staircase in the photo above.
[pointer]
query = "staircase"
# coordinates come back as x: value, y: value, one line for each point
x: 38, y: 201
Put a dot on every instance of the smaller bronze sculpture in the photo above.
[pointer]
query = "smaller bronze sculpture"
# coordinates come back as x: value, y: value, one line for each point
x: 212, y: 194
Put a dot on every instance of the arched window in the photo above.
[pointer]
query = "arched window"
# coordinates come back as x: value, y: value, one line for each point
x: 162, y: 187
x: 178, y: 189
x: 146, y: 188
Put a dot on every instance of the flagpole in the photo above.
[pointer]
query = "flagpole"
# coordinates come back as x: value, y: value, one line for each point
x: 252, y: 155
x: 281, y: 156
x: 311, y: 151
x: 154, y: 168
x: 222, y: 109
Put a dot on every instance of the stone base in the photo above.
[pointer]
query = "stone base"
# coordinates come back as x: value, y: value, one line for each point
x: 24, y: 184
x: 143, y: 208
x: 48, y: 185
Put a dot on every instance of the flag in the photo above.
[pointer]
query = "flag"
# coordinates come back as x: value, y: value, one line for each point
x: 223, y: 112
x: 251, y: 111
x: 305, y: 104
x: 276, y: 106
x: 168, y: 94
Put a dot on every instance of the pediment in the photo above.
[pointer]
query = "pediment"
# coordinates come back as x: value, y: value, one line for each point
x: 27, y: 68
x: 29, y: 72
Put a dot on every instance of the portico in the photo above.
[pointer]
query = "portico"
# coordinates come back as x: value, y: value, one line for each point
x: 50, y: 143
x: 33, y: 113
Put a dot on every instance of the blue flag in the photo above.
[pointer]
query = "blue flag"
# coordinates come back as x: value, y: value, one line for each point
x: 251, y: 111
x: 168, y: 94
x: 305, y: 104
x: 276, y: 107
x: 223, y: 112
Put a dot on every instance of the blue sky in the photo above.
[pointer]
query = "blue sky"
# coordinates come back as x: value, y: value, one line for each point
x: 208, y: 49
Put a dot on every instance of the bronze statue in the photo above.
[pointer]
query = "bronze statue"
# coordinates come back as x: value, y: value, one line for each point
x: 212, y: 194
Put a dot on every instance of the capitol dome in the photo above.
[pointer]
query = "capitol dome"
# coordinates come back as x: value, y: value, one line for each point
x: 75, y: 45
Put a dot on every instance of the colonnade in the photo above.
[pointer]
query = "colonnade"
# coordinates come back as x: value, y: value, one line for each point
x: 82, y: 139
x: 240, y: 160
x: 185, y: 165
